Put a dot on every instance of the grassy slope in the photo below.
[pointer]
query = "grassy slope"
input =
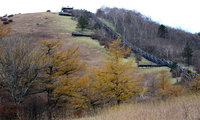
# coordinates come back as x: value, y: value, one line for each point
x: 108, y: 23
x: 90, y: 50
x: 51, y: 26
x: 181, y: 108
x: 66, y: 24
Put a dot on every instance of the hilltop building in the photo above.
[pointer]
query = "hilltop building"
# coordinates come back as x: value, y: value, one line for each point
x: 66, y: 11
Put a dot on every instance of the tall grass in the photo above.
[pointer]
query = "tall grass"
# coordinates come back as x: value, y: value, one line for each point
x: 181, y: 108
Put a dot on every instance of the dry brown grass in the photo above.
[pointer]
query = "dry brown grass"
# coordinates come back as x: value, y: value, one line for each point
x: 181, y: 108
x: 51, y: 26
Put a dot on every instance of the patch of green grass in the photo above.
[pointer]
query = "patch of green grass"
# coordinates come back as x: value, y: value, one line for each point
x: 174, y: 80
x: 154, y: 69
x: 134, y: 64
x: 64, y: 23
x: 149, y: 69
x: 85, y: 31
x: 88, y: 41
x: 191, y: 68
x: 108, y: 23
x: 145, y: 61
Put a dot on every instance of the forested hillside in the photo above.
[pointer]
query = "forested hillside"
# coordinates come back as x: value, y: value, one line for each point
x: 159, y: 40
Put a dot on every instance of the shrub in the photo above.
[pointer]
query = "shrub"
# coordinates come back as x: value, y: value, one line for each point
x: 4, y: 19
x: 5, y: 22
x: 195, y: 85
x: 10, y: 20
x: 10, y: 16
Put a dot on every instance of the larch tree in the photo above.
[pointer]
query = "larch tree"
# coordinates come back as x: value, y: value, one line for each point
x: 84, y: 95
x: 4, y: 30
x: 64, y: 63
x: 165, y: 88
x: 116, y: 80
x: 194, y: 86
x: 50, y: 49
x: 61, y: 72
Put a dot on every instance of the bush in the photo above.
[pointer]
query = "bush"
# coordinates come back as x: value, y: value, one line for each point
x: 96, y: 36
x: 195, y: 85
x: 10, y: 20
x: 4, y: 19
x: 11, y: 112
x: 5, y: 22
x: 10, y: 16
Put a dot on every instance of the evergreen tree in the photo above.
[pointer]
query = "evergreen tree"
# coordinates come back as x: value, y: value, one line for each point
x: 198, y: 34
x: 162, y: 31
x: 187, y: 53
x: 83, y: 22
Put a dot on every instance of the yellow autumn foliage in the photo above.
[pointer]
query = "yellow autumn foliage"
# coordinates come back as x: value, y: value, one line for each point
x: 165, y: 88
x: 4, y: 30
x: 113, y: 82
x: 116, y: 80
x: 64, y: 65
x: 195, y: 85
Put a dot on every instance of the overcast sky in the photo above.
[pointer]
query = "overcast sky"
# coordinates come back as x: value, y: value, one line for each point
x: 184, y: 14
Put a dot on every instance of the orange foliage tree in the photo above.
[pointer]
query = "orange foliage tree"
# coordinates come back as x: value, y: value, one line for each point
x: 116, y: 80
x: 58, y: 78
x: 195, y: 85
x: 165, y: 88
x: 64, y: 64
x: 113, y: 82
x: 4, y: 30
x: 84, y: 93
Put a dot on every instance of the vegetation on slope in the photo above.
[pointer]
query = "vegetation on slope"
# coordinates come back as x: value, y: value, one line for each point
x: 62, y: 76
x: 143, y: 32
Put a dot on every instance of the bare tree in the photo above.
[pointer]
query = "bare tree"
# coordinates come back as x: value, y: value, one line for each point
x: 20, y: 65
